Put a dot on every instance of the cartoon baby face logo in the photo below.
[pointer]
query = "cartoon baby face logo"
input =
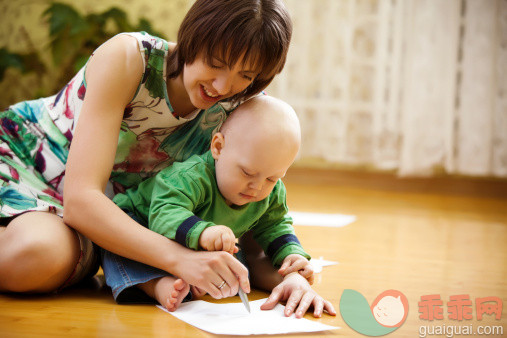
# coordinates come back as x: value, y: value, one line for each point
x: 390, y: 308
x: 387, y: 312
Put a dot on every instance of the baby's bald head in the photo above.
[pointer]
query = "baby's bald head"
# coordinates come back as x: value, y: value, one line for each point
x: 267, y: 119
x: 254, y: 149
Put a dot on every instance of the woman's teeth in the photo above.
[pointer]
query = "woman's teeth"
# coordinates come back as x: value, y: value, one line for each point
x: 208, y: 93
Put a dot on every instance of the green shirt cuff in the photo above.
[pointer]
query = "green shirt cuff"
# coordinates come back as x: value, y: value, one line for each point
x: 288, y: 249
x: 195, y: 233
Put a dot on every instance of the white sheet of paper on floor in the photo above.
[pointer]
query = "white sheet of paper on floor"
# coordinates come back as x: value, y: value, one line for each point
x: 233, y: 319
x: 319, y: 263
x: 322, y: 220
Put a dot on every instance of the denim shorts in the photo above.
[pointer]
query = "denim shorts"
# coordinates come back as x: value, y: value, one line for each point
x: 123, y: 274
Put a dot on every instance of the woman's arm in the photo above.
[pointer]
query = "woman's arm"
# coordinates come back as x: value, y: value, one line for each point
x: 112, y: 76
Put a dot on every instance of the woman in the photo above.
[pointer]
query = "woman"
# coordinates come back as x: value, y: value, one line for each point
x: 139, y: 104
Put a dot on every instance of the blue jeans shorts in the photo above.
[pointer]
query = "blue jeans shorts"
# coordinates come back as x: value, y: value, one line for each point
x: 123, y: 274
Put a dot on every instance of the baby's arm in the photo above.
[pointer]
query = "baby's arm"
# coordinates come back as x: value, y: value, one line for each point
x: 297, y: 263
x: 218, y: 238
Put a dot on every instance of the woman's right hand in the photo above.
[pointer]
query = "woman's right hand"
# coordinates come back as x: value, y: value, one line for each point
x: 208, y: 269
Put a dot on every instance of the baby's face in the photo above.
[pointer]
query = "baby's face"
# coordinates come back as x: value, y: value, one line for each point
x: 247, y: 171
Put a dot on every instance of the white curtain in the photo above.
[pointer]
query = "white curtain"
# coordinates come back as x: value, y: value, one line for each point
x: 412, y: 86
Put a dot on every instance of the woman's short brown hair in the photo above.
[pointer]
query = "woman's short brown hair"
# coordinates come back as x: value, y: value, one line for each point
x: 259, y: 29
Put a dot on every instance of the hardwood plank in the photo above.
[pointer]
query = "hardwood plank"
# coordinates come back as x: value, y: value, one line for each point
x: 417, y: 242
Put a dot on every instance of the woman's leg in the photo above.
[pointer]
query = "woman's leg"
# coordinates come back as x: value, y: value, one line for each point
x: 38, y: 253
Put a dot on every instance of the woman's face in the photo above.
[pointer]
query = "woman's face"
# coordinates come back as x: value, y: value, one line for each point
x: 207, y: 84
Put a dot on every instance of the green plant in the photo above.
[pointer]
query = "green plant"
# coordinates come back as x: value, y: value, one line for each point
x: 72, y: 38
x: 26, y: 62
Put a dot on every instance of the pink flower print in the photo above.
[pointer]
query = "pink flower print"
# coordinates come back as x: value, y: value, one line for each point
x: 68, y: 112
x: 81, y: 91
x: 6, y: 152
x: 55, y: 182
x: 9, y: 127
x: 143, y: 156
x: 14, y: 173
x: 54, y: 194
x: 40, y: 161
x: 68, y: 135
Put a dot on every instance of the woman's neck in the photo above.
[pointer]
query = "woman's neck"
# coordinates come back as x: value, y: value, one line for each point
x: 178, y: 96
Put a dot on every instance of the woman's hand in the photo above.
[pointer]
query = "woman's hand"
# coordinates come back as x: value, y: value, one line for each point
x: 208, y: 270
x: 298, y: 293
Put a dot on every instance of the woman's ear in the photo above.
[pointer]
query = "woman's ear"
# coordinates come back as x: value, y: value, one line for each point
x: 217, y: 144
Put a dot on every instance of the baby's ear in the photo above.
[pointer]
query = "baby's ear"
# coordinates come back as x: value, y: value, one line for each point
x: 217, y: 144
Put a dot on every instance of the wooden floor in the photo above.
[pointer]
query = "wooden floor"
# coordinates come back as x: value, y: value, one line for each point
x: 418, y: 241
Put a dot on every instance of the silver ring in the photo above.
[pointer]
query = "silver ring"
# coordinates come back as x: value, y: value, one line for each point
x: 221, y: 285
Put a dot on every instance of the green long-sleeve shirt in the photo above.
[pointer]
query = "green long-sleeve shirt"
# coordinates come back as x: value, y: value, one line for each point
x: 183, y: 200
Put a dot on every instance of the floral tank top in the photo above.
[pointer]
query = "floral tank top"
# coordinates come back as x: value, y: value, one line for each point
x: 35, y: 136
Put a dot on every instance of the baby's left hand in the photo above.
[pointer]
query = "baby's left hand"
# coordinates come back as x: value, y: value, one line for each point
x: 299, y: 295
x: 297, y: 263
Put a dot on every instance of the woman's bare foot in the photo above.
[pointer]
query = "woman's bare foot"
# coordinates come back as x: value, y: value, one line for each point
x: 168, y: 291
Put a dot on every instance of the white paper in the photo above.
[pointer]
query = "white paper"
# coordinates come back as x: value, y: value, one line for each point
x: 323, y: 220
x: 319, y: 263
x: 234, y: 319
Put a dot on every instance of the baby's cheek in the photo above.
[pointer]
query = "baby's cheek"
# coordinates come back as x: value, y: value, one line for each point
x: 265, y: 192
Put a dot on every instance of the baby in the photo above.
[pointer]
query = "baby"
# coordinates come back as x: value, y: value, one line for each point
x: 210, y: 200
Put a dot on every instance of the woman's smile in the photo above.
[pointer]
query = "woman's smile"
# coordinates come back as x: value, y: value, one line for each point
x: 208, y: 96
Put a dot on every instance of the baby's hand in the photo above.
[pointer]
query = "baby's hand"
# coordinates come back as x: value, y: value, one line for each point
x: 218, y: 238
x: 297, y: 263
x: 299, y: 296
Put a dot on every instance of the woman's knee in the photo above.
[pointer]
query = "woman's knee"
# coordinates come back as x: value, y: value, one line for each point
x: 40, y: 234
x: 39, y: 252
